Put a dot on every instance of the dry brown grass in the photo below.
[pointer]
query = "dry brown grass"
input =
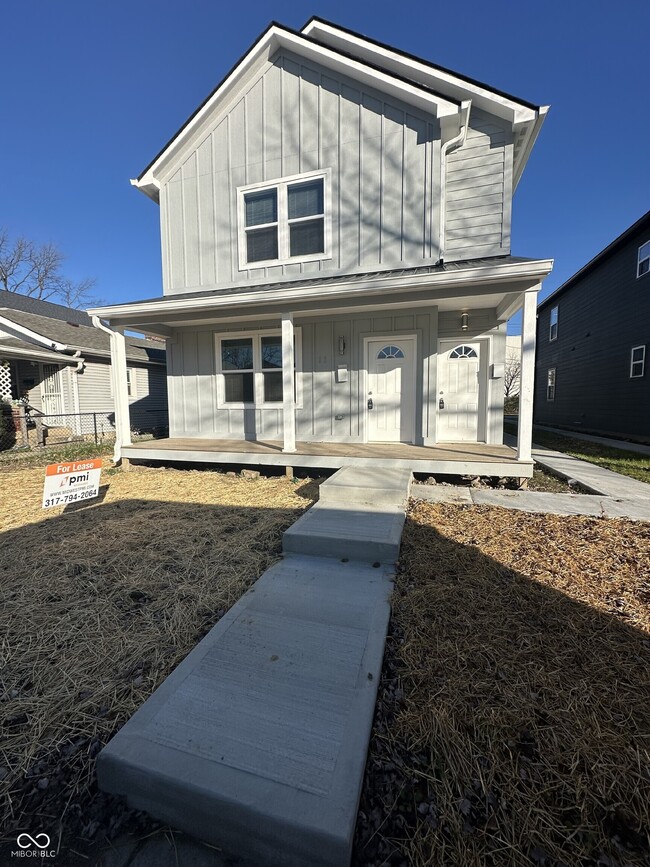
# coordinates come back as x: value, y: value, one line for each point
x: 99, y: 604
x: 514, y: 714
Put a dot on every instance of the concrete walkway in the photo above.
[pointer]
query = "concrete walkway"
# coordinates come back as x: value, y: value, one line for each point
x: 537, y: 501
x: 257, y: 742
x: 624, y: 445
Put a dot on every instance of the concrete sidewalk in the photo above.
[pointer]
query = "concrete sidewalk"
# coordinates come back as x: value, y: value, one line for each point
x: 257, y: 742
x: 537, y: 501
x: 591, y: 477
x: 624, y: 445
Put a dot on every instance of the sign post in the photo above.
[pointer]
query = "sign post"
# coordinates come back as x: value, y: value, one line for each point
x: 71, y: 482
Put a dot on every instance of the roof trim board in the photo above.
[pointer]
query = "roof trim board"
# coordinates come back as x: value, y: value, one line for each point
x: 275, y: 37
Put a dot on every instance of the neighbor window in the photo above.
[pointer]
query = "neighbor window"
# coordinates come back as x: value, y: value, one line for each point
x: 643, y: 266
x: 550, y: 385
x: 637, y: 362
x: 250, y: 368
x: 552, y: 332
x: 130, y: 382
x: 286, y: 221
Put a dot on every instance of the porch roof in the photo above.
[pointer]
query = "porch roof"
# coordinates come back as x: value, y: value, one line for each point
x: 14, y: 348
x: 503, y: 278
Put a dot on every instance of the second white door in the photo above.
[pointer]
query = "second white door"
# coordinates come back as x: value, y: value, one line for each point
x: 391, y: 390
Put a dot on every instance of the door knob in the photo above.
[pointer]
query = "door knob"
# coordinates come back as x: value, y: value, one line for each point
x: 370, y: 403
x: 441, y: 404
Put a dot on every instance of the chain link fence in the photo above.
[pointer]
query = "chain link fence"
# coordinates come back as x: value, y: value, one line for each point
x: 23, y: 427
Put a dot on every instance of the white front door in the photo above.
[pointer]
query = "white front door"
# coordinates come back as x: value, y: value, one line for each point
x: 52, y: 395
x: 390, y: 390
x: 459, y: 387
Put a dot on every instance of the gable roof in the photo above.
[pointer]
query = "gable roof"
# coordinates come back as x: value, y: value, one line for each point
x: 435, y: 89
x: 86, y: 338
x: 16, y: 301
x: 642, y: 223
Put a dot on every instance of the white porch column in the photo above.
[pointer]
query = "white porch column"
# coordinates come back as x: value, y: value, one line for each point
x: 527, y: 375
x: 120, y: 388
x: 288, y: 387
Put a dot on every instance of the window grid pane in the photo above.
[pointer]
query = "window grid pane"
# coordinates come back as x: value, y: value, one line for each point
x: 272, y: 353
x: 272, y: 386
x: 261, y: 207
x: 307, y: 237
x: 238, y: 387
x: 262, y: 244
x: 237, y: 354
x: 305, y: 200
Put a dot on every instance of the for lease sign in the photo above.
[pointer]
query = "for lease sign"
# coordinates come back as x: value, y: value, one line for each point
x: 70, y: 483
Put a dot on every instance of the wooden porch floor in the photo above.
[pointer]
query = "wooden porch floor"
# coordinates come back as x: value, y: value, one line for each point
x: 447, y: 458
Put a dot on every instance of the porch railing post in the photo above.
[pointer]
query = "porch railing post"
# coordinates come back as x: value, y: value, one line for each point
x: 288, y: 384
x: 527, y: 375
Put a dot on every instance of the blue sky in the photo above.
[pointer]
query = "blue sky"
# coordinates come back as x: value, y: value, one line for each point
x: 91, y: 91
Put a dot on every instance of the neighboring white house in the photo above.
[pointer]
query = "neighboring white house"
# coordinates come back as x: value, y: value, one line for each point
x: 52, y: 357
x: 337, y: 273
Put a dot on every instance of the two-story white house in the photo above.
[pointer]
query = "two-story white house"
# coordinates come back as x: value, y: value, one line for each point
x: 337, y: 277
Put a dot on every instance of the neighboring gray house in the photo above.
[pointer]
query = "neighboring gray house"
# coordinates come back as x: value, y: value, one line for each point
x: 337, y: 275
x: 593, y: 335
x: 55, y: 359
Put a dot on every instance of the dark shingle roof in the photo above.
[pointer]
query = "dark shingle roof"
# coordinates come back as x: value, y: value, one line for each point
x: 85, y: 337
x: 15, y: 301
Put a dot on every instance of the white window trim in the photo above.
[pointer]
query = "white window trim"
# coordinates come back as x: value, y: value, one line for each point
x: 281, y: 185
x: 552, y: 336
x: 640, y: 361
x: 552, y: 370
x: 131, y: 382
x: 258, y: 378
x: 639, y: 260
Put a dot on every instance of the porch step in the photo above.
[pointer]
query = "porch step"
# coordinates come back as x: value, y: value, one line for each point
x: 257, y: 741
x: 369, y: 535
x: 362, y: 485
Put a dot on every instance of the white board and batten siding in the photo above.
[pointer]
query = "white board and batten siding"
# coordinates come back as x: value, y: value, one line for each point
x: 383, y: 158
x: 327, y: 410
x: 479, y: 191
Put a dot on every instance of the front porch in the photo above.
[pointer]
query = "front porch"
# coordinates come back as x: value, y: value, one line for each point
x: 478, y: 459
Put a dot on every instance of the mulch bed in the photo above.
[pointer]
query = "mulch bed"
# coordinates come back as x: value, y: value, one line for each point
x: 99, y: 604
x: 514, y: 708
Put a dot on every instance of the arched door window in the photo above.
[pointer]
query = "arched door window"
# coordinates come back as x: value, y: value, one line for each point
x: 390, y: 352
x: 463, y: 352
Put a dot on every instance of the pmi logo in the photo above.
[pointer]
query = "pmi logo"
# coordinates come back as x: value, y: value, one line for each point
x: 33, y: 847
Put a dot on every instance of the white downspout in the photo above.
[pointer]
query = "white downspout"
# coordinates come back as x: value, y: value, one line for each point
x: 449, y: 146
x: 120, y: 395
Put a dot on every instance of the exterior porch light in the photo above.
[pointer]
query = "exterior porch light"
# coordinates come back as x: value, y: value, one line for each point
x: 341, y: 345
x: 464, y: 321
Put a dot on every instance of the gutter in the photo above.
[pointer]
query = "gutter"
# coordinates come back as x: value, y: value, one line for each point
x: 27, y: 332
x: 453, y: 144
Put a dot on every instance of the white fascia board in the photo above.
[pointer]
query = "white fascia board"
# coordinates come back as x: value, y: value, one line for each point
x: 524, y: 153
x: 536, y: 270
x: 274, y: 39
x: 438, y: 79
x: 8, y: 351
x: 27, y: 332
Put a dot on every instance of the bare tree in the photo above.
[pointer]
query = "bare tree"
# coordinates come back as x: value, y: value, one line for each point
x: 30, y: 269
x: 512, y: 372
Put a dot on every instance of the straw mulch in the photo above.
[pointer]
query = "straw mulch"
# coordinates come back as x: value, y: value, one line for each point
x: 513, y: 720
x: 98, y: 605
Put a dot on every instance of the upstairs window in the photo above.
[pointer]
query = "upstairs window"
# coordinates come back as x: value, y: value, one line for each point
x: 552, y: 331
x: 637, y: 362
x: 286, y: 221
x: 643, y: 266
